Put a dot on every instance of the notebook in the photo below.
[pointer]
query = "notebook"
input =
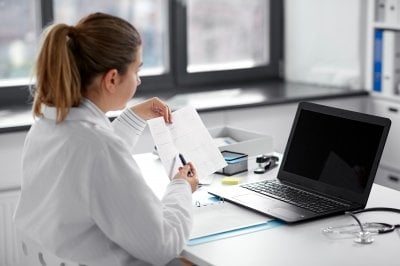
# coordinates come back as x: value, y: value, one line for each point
x: 328, y: 166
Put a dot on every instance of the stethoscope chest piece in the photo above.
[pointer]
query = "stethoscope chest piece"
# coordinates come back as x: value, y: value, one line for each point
x: 364, y: 237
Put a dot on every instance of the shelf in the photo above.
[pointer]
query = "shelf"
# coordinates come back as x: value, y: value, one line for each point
x: 386, y: 26
x: 382, y: 64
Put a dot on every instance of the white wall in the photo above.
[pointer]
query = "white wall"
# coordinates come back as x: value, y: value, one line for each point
x: 325, y: 41
x: 11, y: 145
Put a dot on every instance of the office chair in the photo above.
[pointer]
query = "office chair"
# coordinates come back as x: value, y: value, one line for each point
x: 32, y: 254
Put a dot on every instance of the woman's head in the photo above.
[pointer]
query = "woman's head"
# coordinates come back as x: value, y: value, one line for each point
x: 71, y: 57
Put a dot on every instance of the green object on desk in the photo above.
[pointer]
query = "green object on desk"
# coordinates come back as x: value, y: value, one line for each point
x: 235, y: 232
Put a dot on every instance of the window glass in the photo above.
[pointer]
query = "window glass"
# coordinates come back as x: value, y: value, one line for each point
x: 18, y: 39
x: 148, y: 16
x: 227, y: 34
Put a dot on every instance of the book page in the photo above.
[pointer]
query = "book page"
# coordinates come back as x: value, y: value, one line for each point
x: 186, y: 135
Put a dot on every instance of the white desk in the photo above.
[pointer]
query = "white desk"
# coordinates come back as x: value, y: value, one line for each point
x: 301, y: 244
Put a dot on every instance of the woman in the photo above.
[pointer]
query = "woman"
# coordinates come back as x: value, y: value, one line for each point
x: 83, y: 197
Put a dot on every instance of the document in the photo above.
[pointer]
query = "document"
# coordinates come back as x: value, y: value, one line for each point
x: 188, y: 136
x: 216, y: 219
x: 223, y: 216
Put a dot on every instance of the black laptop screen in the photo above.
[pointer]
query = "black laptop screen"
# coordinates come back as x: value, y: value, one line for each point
x: 333, y: 150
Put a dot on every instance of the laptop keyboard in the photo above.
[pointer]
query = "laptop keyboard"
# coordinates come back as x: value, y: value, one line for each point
x: 300, y: 198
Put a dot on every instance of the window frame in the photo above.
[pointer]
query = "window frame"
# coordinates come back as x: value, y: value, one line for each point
x: 177, y: 79
x: 222, y: 77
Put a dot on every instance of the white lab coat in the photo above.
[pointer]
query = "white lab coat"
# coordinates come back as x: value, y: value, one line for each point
x: 84, y: 198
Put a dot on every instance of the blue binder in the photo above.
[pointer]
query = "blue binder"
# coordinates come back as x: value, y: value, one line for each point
x: 235, y: 232
x: 377, y: 64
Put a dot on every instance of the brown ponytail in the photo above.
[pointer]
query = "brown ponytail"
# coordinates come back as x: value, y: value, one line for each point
x: 71, y: 57
x: 57, y: 75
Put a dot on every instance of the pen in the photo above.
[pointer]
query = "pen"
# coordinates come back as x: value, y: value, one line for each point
x: 184, y: 162
x: 182, y: 159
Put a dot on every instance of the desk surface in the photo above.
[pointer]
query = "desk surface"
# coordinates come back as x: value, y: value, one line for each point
x: 300, y: 244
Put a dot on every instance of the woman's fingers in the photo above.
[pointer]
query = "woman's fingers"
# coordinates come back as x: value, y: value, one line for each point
x: 162, y: 109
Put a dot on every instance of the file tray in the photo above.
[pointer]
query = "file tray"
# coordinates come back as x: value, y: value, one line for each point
x: 242, y: 141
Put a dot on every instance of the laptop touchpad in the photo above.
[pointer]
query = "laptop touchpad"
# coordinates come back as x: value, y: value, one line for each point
x: 268, y: 205
x: 258, y: 202
x: 250, y: 198
x: 285, y: 213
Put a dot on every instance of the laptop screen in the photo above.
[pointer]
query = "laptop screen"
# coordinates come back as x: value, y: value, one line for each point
x: 335, y: 147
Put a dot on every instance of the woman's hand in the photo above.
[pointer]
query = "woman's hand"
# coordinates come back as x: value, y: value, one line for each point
x: 188, y: 172
x: 153, y: 108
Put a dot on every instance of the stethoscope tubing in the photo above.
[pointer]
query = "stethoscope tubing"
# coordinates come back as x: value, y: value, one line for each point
x: 387, y: 227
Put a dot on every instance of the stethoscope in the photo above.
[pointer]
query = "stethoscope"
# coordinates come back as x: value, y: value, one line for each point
x: 387, y: 227
x: 363, y: 232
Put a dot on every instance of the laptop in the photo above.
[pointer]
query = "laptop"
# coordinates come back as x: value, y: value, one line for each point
x: 328, y: 166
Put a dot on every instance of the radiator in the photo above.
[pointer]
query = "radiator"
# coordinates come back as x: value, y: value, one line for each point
x: 8, y: 240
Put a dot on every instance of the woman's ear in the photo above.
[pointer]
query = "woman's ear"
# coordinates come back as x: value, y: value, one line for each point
x: 110, y: 79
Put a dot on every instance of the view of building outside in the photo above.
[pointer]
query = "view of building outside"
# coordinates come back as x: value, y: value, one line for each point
x: 227, y: 34
x: 150, y: 17
x: 222, y: 34
x: 18, y: 39
x: 20, y: 30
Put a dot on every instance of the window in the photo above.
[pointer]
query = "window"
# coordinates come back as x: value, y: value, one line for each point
x: 225, y: 41
x: 150, y: 17
x: 187, y: 43
x: 18, y: 38
x: 226, y: 34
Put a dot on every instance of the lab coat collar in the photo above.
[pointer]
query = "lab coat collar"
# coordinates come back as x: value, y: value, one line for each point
x: 87, y: 111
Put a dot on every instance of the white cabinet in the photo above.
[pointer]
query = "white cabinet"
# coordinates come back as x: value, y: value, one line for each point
x: 8, y: 243
x: 391, y: 110
x: 274, y: 120
x: 389, y: 169
x: 11, y: 145
x: 388, y: 178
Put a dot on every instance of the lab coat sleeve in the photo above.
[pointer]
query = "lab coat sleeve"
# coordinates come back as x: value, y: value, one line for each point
x: 129, y: 126
x: 130, y: 214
